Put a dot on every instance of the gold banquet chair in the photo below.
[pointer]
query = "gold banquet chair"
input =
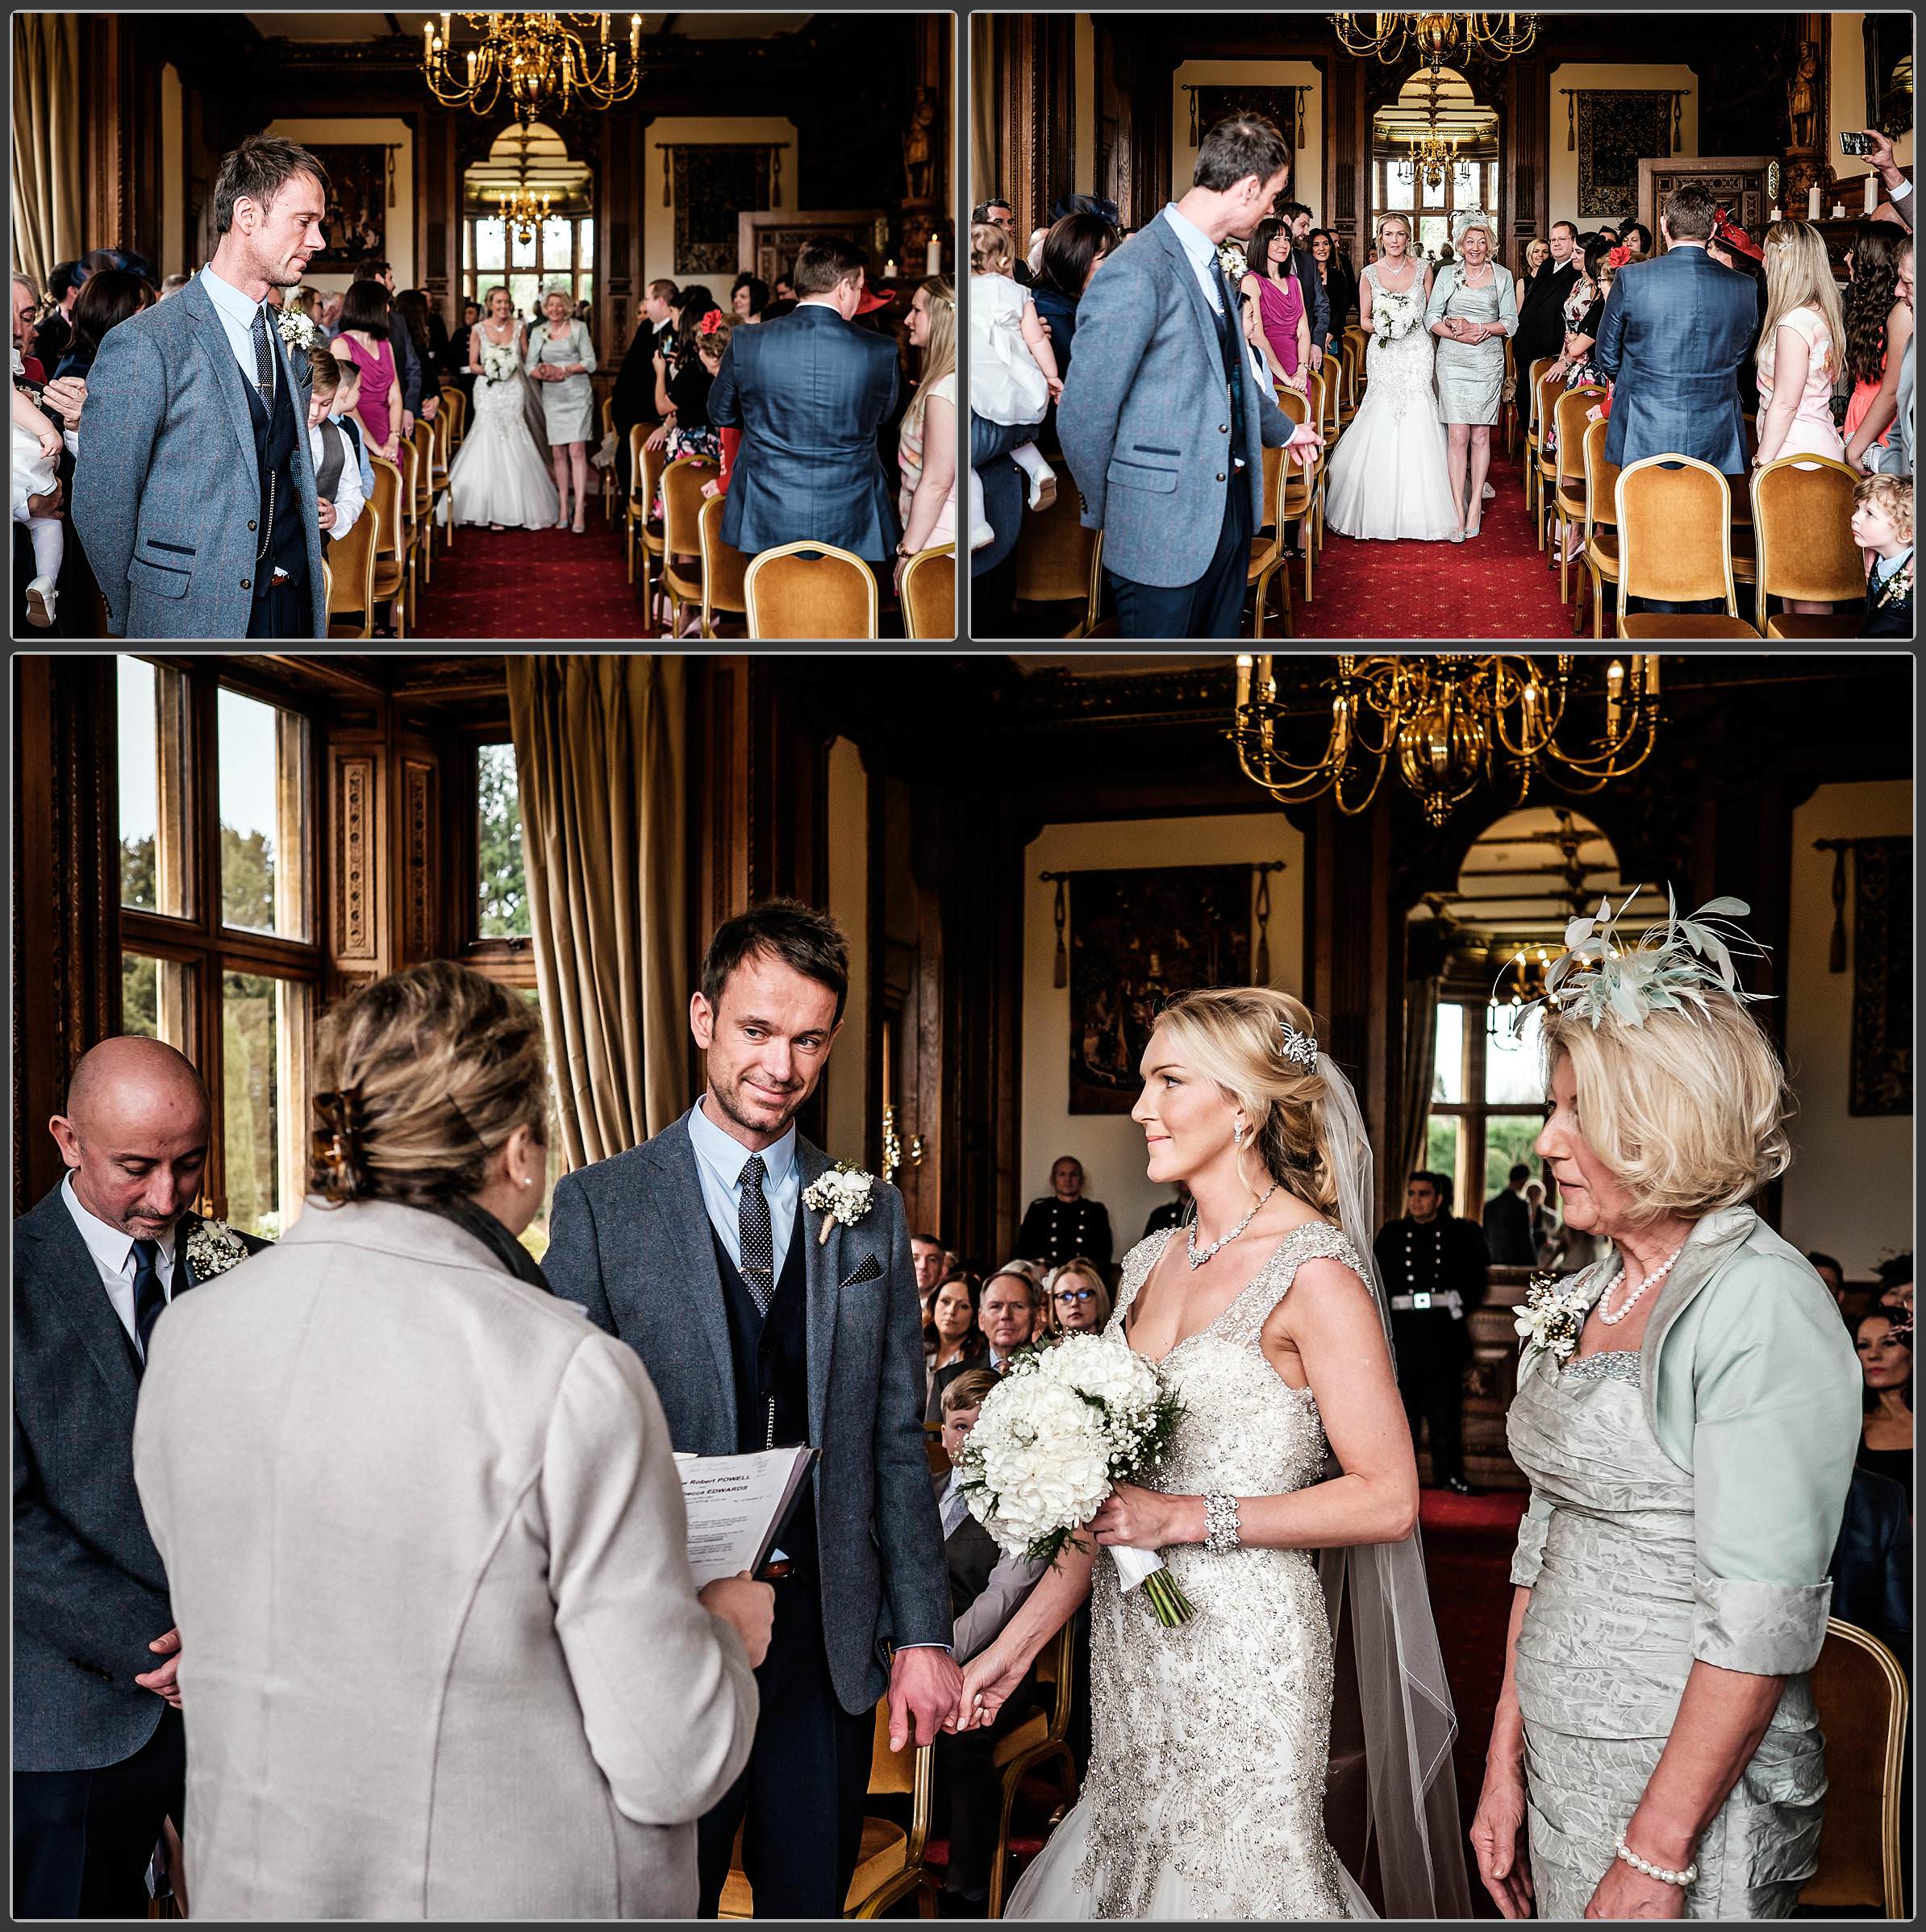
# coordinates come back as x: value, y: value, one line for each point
x: 1675, y: 542
x: 1060, y: 562
x: 391, y: 579
x: 1568, y: 474
x: 929, y: 595
x: 351, y: 583
x: 723, y: 568
x: 1267, y: 560
x: 1598, y: 552
x: 1802, y: 521
x: 810, y: 590
x: 682, y: 501
x: 1535, y: 376
x: 1860, y: 1695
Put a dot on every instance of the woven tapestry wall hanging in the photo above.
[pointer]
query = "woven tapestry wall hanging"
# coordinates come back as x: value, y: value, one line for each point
x: 1277, y: 105
x: 1136, y: 937
x: 711, y: 184
x: 1882, y: 969
x: 1615, y: 131
x: 360, y: 191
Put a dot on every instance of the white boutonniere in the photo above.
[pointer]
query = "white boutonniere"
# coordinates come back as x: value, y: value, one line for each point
x: 1231, y: 259
x: 1548, y: 1321
x: 846, y: 1193
x: 297, y: 331
x: 213, y: 1247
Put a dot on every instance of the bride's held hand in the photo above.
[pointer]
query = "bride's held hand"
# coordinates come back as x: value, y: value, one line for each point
x: 1145, y: 1519
x: 988, y: 1679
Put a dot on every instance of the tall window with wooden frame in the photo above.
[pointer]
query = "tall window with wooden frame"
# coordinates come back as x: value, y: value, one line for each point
x: 1487, y: 1099
x: 219, y: 956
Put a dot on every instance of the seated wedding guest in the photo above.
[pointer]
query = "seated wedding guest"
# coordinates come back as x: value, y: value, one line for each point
x: 1073, y: 251
x: 1831, y: 1271
x: 105, y: 301
x: 1006, y: 1313
x: 1884, y: 1341
x: 1882, y: 528
x: 1879, y: 339
x: 1062, y: 1224
x: 1732, y: 248
x: 926, y: 447
x: 1635, y: 237
x: 410, y: 385
x: 1575, y: 364
x: 1687, y: 1417
x: 98, y: 1746
x: 1872, y: 1562
x: 926, y: 1258
x: 1541, y: 300
x: 711, y: 346
x: 950, y: 1334
x: 1801, y: 348
x: 1297, y: 218
x: 56, y: 327
x: 1895, y: 1285
x: 1333, y: 272
x: 633, y: 399
x: 986, y: 1589
x: 173, y: 285
x: 810, y: 391
x: 364, y: 340
x: 786, y: 289
x: 479, y: 1621
x: 1277, y: 311
x: 1171, y: 1214
x: 1538, y: 251
x: 749, y: 297
x: 1076, y: 1301
x: 561, y: 358
x: 335, y: 453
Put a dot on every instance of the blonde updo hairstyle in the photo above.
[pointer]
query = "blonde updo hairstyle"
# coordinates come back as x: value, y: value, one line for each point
x: 1687, y: 1113
x: 419, y: 1079
x: 1234, y: 1035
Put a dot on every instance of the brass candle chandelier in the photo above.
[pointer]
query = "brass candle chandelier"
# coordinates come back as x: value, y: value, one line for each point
x: 523, y: 210
x: 539, y: 59
x: 1440, y: 40
x: 1449, y: 725
x: 1430, y: 159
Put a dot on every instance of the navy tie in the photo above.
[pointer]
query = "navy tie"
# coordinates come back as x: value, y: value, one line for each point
x: 149, y: 1298
x: 756, y: 1237
x: 264, y: 358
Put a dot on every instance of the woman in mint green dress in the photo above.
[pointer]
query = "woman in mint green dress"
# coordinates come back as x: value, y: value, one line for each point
x: 1688, y: 1412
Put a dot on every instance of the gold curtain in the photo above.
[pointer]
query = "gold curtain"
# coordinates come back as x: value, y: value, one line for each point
x: 599, y: 747
x: 47, y: 164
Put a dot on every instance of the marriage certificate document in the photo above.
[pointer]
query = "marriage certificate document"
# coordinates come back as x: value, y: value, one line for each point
x: 737, y: 1505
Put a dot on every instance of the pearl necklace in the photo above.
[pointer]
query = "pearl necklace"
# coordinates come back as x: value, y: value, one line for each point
x: 1657, y: 1275
x: 1197, y: 1257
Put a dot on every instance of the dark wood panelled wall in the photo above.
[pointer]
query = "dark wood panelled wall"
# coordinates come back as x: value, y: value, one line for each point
x: 967, y: 760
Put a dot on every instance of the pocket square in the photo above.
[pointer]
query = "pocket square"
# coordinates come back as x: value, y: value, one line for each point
x: 871, y: 1270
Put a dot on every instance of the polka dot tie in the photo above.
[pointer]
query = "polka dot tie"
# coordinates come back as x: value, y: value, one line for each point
x: 754, y: 1235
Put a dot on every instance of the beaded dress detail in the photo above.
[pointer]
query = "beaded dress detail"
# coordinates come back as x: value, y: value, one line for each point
x: 1205, y: 1794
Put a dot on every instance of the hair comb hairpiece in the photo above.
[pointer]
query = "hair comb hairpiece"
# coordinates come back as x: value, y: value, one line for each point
x: 1668, y: 968
x: 1300, y: 1048
x: 337, y: 1142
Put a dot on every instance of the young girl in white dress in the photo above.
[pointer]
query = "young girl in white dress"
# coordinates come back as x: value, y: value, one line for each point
x: 1388, y: 477
x: 36, y: 449
x: 1013, y: 377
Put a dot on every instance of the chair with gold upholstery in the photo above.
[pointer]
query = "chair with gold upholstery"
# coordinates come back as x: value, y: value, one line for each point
x: 1860, y: 1694
x: 1802, y: 521
x: 929, y: 594
x: 1059, y: 562
x: 1544, y: 463
x: 1267, y: 560
x: 422, y: 437
x: 390, y: 584
x: 1675, y: 542
x: 889, y: 1865
x: 1598, y: 554
x: 1536, y: 375
x: 438, y: 476
x: 608, y: 475
x: 351, y: 584
x: 681, y: 541
x: 1041, y: 1741
x: 1568, y: 473
x: 1302, y: 499
x: 454, y: 406
x: 723, y: 568
x: 810, y: 590
x: 645, y: 468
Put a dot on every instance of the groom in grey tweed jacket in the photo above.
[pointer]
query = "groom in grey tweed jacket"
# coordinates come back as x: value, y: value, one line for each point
x: 1166, y: 410
x: 670, y: 1246
x: 180, y: 438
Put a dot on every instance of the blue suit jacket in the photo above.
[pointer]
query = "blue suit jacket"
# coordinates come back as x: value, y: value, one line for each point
x: 1672, y: 338
x: 809, y: 392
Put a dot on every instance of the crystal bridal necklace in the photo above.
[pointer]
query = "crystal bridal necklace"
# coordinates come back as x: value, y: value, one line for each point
x: 1197, y: 1256
x: 1632, y: 1301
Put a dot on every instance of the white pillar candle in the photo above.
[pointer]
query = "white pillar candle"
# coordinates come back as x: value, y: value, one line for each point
x: 1839, y: 211
x: 1813, y: 204
x: 1872, y: 193
x: 933, y: 260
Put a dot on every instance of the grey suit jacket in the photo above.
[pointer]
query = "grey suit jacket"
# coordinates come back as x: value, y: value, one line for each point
x: 1144, y: 418
x: 441, y: 1654
x: 166, y: 490
x: 90, y: 1592
x: 629, y: 1238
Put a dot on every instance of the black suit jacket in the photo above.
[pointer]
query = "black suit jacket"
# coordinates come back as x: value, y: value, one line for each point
x: 90, y: 1592
x: 1872, y: 1566
x: 1541, y: 320
x: 1508, y: 1230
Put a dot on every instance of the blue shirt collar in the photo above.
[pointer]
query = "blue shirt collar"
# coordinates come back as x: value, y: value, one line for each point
x: 723, y: 1155
x: 1197, y: 245
x: 1884, y: 566
x: 228, y: 299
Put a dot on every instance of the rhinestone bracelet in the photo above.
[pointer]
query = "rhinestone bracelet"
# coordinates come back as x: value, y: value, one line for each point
x: 1657, y: 1872
x: 1220, y: 1522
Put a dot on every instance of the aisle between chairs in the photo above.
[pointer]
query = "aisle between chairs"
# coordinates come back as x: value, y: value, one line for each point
x: 533, y: 584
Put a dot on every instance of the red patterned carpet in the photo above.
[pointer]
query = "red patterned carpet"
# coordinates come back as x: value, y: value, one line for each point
x: 1496, y: 586
x: 538, y: 585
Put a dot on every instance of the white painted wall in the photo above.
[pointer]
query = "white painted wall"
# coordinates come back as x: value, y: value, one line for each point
x: 1308, y: 161
x: 1846, y: 104
x: 1595, y: 76
x: 846, y: 1079
x: 401, y: 243
x: 1849, y: 1191
x: 1110, y: 1146
x: 658, y: 220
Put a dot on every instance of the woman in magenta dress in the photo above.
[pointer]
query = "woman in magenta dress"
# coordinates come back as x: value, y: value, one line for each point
x: 363, y: 342
x: 1275, y: 317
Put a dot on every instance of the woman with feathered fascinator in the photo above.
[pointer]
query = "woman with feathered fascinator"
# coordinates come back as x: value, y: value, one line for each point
x: 1688, y: 1412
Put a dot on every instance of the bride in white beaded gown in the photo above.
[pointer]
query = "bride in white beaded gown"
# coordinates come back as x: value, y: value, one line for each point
x: 500, y: 475
x: 1212, y: 1791
x: 1389, y: 476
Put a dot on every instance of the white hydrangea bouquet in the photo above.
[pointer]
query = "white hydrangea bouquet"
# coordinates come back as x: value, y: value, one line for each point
x: 1058, y: 1433
x: 498, y: 363
x: 1393, y: 316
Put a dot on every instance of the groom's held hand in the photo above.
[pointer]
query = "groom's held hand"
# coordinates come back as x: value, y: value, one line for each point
x: 925, y: 1690
x: 747, y: 1606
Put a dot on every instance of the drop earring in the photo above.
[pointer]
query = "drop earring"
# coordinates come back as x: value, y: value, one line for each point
x: 1237, y: 1137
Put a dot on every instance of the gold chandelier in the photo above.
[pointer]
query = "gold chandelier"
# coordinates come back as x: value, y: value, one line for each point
x: 523, y: 210
x: 1449, y: 724
x: 1430, y: 159
x: 539, y: 58
x: 1439, y: 39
